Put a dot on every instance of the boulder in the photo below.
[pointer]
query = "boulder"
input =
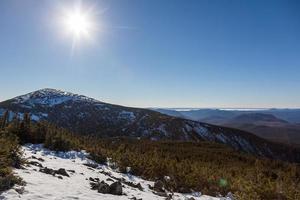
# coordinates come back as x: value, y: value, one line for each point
x: 20, y: 190
x: 116, y: 188
x: 158, y: 186
x: 35, y: 163
x: 103, y: 188
x: 47, y: 170
x: 62, y: 172
x: 139, y: 186
x: 91, y: 179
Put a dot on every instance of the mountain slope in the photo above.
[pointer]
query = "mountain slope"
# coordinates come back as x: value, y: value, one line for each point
x: 88, y: 116
x: 258, y: 119
x: 75, y: 183
x: 267, y: 126
x: 277, y: 125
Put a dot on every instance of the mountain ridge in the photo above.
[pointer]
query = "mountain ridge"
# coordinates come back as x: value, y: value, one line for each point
x: 88, y: 116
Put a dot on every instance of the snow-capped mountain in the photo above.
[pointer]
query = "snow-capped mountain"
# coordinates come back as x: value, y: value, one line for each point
x: 85, y: 115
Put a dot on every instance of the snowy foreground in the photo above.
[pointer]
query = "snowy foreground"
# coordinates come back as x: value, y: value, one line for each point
x: 77, y: 186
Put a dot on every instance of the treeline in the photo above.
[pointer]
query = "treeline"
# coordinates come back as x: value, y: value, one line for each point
x: 208, y: 167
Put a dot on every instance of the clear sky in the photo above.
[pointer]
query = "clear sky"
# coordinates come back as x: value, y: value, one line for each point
x: 162, y: 53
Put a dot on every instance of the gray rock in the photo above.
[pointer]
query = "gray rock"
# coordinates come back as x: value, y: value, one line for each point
x: 72, y: 171
x: 20, y: 190
x: 103, y: 188
x: 35, y: 163
x: 47, y: 170
x: 62, y: 172
x: 159, y: 186
x: 116, y: 188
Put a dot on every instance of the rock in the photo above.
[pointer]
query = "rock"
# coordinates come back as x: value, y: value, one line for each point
x: 72, y: 171
x: 131, y: 184
x: 35, y: 163
x: 105, y: 173
x: 91, y: 165
x: 150, y: 187
x: 47, y: 170
x: 103, y: 188
x: 91, y: 179
x: 20, y: 190
x: 230, y: 196
x: 62, y: 172
x: 162, y: 194
x: 60, y: 177
x: 116, y: 188
x: 94, y: 186
x: 139, y: 186
x: 159, y: 186
x: 109, y: 179
x: 40, y: 159
x: 170, y: 197
x: 134, y: 198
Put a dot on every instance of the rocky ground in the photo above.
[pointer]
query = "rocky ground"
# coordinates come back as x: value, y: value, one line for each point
x: 71, y: 175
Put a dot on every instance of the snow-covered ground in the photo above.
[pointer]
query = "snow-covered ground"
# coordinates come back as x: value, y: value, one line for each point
x: 77, y: 186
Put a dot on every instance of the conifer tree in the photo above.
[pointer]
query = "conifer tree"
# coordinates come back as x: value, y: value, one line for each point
x: 4, y: 120
x: 24, y: 130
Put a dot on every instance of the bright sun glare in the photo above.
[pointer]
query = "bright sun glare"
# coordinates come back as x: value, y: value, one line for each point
x: 78, y: 24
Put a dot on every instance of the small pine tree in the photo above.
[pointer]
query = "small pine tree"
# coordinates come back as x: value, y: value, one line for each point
x: 24, y: 130
x: 4, y: 120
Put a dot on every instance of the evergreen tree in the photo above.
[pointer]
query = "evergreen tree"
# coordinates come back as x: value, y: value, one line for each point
x: 4, y: 120
x: 24, y: 130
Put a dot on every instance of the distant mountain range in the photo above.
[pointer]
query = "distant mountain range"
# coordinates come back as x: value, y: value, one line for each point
x: 84, y: 115
x: 278, y: 125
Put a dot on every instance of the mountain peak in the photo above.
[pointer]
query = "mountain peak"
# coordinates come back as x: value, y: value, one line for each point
x: 50, y: 97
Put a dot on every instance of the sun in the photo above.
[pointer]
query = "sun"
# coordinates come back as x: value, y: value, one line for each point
x: 78, y: 23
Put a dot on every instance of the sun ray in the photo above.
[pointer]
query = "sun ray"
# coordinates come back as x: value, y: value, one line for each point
x: 78, y: 23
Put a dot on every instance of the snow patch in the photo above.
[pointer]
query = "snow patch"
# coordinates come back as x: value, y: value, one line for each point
x: 43, y: 186
x: 127, y: 115
x: 50, y: 97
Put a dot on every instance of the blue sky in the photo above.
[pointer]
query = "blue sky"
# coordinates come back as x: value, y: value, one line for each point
x: 179, y: 53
